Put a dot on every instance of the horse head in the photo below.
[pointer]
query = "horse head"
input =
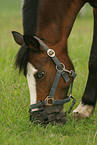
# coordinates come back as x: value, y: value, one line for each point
x: 43, y: 55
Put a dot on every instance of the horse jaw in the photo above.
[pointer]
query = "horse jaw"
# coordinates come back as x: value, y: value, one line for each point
x: 31, y: 82
x: 83, y: 111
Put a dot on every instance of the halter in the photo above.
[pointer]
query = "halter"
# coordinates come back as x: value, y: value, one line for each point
x: 61, y: 71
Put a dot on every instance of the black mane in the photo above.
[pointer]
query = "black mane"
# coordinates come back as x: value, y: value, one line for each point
x: 30, y: 16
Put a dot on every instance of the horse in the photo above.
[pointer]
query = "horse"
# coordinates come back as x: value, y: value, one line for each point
x: 44, y: 59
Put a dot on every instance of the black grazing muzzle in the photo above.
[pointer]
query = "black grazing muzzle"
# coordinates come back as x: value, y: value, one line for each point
x: 46, y: 115
x: 51, y: 110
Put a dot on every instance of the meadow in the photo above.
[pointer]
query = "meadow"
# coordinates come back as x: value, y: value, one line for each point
x: 15, y: 128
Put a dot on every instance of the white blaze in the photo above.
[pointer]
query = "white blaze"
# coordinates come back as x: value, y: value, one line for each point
x: 31, y: 82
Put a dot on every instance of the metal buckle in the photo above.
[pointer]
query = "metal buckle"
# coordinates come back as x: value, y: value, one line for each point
x: 63, y: 67
x: 49, y: 101
x: 51, y: 52
x: 72, y: 74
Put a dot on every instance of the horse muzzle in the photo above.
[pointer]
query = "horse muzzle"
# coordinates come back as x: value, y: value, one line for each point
x: 45, y: 112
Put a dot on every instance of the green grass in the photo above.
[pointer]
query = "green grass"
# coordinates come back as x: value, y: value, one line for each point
x: 15, y: 128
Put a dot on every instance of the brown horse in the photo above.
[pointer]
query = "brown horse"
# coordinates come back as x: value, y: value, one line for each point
x: 47, y: 24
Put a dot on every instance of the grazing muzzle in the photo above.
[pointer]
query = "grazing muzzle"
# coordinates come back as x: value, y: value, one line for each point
x: 51, y: 110
x: 52, y: 115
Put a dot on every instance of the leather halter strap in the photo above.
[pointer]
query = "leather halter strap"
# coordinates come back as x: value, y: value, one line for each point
x: 61, y: 71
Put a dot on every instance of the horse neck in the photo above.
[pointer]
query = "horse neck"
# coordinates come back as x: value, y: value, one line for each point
x: 55, y: 24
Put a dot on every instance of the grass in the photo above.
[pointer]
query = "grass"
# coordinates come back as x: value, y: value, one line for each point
x: 15, y: 128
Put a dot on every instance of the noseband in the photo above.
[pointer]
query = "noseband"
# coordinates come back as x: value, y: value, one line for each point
x: 43, y: 107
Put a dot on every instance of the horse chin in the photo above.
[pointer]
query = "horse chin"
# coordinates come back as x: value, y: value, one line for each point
x: 83, y: 111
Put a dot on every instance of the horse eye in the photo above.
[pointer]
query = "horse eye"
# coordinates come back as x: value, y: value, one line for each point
x: 39, y: 75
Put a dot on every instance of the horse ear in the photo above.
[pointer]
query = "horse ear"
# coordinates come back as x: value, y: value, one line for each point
x: 18, y: 38
x: 31, y: 42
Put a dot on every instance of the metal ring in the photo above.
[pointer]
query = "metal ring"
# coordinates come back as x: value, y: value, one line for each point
x: 49, y: 101
x: 51, y: 52
x: 63, y: 67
